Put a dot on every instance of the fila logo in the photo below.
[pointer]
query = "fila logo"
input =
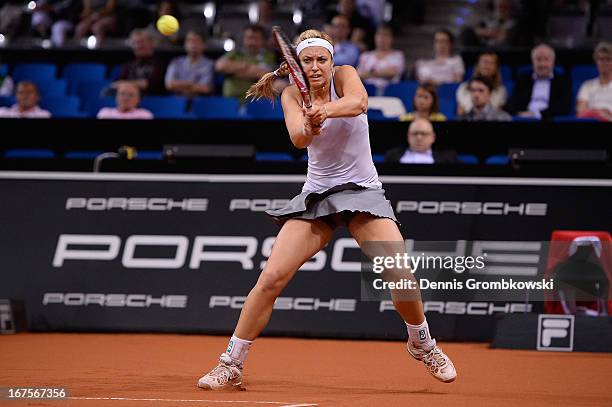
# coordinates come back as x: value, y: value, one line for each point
x: 422, y: 335
x: 556, y: 332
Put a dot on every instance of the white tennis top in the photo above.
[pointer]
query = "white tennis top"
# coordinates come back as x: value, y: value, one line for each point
x: 341, y: 154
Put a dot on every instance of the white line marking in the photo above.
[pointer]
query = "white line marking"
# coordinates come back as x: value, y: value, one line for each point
x: 281, y: 403
x: 249, y: 178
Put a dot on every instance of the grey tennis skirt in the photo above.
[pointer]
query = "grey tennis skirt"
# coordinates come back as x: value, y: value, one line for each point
x: 336, y: 206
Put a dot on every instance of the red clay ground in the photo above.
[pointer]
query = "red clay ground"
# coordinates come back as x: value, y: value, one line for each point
x: 281, y: 372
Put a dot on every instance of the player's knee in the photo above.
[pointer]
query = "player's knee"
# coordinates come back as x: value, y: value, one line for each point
x: 272, y: 281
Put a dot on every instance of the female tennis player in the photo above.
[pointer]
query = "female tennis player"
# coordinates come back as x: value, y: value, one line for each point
x: 341, y: 189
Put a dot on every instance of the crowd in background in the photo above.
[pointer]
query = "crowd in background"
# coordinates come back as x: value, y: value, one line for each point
x: 362, y: 41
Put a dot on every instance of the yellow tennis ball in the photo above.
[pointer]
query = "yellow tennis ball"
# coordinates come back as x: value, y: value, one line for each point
x: 167, y: 24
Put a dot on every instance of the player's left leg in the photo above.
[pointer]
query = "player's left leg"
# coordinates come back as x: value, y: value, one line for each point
x: 368, y: 228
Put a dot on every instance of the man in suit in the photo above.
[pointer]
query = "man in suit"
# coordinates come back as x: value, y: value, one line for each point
x: 420, y: 137
x: 542, y: 92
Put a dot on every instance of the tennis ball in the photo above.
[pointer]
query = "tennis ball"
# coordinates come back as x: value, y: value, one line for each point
x: 167, y: 24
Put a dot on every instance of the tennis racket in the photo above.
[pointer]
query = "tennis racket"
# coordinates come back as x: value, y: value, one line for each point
x: 293, y: 64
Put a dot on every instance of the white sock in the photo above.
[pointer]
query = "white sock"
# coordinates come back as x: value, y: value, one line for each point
x: 419, y: 335
x: 238, y: 349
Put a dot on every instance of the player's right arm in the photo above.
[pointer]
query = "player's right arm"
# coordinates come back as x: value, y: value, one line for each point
x: 300, y: 130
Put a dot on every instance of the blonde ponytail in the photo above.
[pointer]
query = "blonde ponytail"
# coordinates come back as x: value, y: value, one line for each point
x: 264, y: 86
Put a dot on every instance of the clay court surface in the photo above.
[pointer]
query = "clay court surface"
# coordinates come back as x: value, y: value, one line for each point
x: 161, y: 370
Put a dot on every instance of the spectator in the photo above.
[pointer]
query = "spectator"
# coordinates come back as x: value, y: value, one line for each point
x: 166, y: 7
x: 487, y: 66
x: 345, y: 51
x: 495, y: 30
x: 58, y: 16
x: 193, y: 74
x: 425, y: 105
x: 145, y: 70
x: 383, y: 65
x: 244, y: 67
x: 98, y: 17
x: 444, y: 67
x: 595, y: 95
x: 362, y: 32
x: 6, y: 85
x: 27, y: 103
x: 481, y: 88
x: 128, y: 99
x: 420, y: 137
x: 542, y: 92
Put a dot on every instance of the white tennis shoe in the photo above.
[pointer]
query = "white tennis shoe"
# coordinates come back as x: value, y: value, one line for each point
x: 226, y: 375
x: 437, y: 363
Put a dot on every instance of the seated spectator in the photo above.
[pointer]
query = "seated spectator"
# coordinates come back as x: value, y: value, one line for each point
x: 496, y: 29
x: 595, y: 95
x: 6, y: 85
x: 487, y: 66
x: 541, y: 93
x: 345, y: 51
x: 244, y: 67
x: 99, y: 17
x: 362, y: 33
x: 128, y: 99
x: 193, y: 74
x: 444, y: 67
x: 481, y: 88
x: 146, y: 71
x: 420, y: 137
x: 383, y: 65
x: 165, y: 7
x: 425, y: 105
x: 27, y: 103
x: 57, y: 16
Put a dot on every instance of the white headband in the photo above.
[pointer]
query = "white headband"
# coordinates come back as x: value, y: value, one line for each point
x: 315, y: 42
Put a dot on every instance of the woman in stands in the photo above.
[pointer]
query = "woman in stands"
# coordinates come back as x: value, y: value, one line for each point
x: 341, y: 189
x: 425, y: 105
x: 488, y: 67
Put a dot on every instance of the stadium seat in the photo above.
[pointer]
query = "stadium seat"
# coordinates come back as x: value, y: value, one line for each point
x: 149, y: 155
x: 497, y: 160
x: 52, y: 88
x: 7, y: 101
x: 214, y: 107
x: 378, y: 158
x: 62, y: 106
x: 509, y: 84
x: 390, y: 106
x: 467, y: 159
x: 263, y: 109
x: 371, y: 89
x: 448, y: 106
x: 165, y: 107
x: 34, y: 72
x: 404, y: 91
x: 448, y: 91
x: 375, y: 114
x: 272, y: 156
x: 113, y: 73
x: 82, y: 155
x: 90, y: 90
x: 3, y: 69
x: 93, y: 106
x: 579, y: 74
x: 565, y: 119
x: 76, y: 73
x: 29, y: 153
